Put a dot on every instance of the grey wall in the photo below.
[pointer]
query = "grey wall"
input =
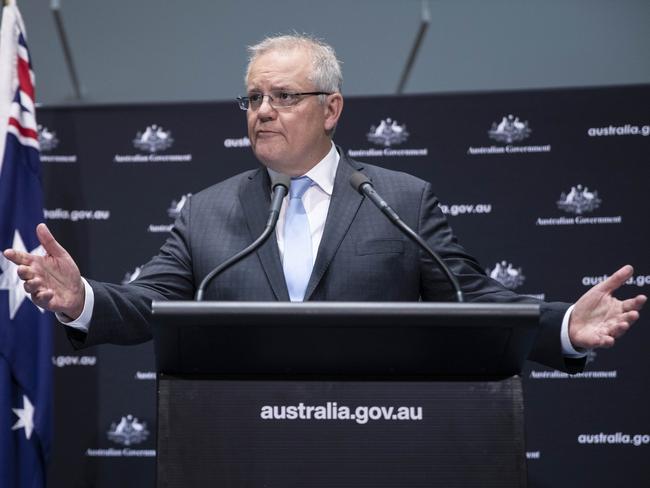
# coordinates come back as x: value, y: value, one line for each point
x: 154, y: 50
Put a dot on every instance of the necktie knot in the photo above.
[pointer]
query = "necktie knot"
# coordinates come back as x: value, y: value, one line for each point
x: 299, y: 186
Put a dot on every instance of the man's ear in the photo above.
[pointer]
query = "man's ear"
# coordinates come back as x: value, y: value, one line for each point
x: 333, y: 108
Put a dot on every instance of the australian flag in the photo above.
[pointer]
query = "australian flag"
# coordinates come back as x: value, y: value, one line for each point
x: 25, y: 330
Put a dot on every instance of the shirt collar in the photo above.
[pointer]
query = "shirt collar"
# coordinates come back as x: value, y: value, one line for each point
x: 324, y: 172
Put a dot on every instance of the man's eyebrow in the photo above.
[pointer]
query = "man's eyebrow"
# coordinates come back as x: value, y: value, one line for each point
x: 283, y: 87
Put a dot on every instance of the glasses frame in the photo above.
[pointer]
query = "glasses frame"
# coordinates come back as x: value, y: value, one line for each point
x: 245, y: 103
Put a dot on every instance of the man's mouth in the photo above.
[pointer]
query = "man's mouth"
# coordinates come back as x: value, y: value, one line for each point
x: 266, y: 133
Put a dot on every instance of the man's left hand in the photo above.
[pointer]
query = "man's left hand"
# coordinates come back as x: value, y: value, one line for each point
x: 598, y: 319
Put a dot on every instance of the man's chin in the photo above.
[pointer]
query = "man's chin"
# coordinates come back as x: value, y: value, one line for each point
x: 269, y: 162
x: 281, y: 166
x: 269, y: 156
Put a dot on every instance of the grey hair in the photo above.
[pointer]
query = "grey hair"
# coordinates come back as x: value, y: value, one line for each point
x: 326, y: 70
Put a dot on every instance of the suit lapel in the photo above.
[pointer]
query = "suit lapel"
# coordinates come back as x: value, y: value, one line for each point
x: 255, y: 200
x: 344, y: 205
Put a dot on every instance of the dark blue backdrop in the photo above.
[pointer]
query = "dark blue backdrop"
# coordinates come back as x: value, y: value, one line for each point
x: 547, y: 188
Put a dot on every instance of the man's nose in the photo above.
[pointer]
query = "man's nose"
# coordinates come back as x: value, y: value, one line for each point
x: 266, y: 110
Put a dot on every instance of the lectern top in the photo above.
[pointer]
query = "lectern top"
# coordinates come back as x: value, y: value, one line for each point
x: 343, y: 339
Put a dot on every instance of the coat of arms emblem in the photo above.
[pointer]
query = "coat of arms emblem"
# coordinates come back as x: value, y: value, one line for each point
x: 579, y: 200
x: 128, y: 431
x: 387, y: 133
x: 509, y: 130
x: 176, y: 206
x: 506, y: 274
x: 153, y: 139
x: 47, y: 139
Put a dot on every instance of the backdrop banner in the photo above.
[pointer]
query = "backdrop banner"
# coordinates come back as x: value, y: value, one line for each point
x: 546, y: 188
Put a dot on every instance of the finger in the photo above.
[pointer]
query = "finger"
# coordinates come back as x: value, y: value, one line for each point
x: 630, y: 317
x: 42, y: 298
x: 33, y: 286
x: 635, y: 303
x: 616, y: 280
x: 18, y: 257
x: 619, y: 329
x: 606, y: 342
x: 25, y: 272
x: 48, y: 241
x: 28, y: 288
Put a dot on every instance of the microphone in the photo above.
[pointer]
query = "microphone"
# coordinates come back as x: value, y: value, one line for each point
x: 280, y: 184
x: 362, y: 184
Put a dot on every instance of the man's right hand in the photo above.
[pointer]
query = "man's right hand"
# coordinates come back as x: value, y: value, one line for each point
x: 53, y: 280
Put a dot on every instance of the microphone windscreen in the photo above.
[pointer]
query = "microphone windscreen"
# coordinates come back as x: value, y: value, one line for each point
x: 357, y: 179
x: 279, y: 179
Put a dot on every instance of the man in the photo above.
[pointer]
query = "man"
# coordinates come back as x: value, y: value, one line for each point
x: 331, y: 243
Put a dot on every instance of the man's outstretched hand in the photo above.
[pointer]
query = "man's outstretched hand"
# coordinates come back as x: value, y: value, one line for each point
x: 53, y: 280
x: 598, y: 319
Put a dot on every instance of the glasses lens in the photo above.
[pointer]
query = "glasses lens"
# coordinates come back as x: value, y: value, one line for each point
x: 283, y: 98
x: 277, y: 99
x: 255, y: 100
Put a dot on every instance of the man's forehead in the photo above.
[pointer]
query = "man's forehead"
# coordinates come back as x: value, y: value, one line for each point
x: 279, y: 69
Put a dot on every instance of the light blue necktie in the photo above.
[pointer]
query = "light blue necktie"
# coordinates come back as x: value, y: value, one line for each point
x: 297, y: 260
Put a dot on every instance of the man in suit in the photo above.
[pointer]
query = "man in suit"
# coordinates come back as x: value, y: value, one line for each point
x: 331, y: 243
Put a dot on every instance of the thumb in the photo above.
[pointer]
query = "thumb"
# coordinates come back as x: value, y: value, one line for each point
x: 615, y: 281
x: 51, y: 246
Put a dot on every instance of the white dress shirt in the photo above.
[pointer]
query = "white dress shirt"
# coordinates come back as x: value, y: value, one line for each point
x: 316, y: 201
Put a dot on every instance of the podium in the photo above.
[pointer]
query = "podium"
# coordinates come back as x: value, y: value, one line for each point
x: 338, y: 394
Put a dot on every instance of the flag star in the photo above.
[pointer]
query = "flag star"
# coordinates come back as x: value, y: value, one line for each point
x: 25, y: 417
x: 9, y: 279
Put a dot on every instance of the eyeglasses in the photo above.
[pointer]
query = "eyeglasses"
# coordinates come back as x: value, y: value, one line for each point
x: 278, y: 99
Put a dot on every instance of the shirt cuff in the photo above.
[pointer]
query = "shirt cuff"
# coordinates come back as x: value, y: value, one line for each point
x: 567, y: 348
x: 83, y: 321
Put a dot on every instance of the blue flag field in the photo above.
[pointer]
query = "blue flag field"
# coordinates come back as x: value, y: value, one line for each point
x: 25, y: 330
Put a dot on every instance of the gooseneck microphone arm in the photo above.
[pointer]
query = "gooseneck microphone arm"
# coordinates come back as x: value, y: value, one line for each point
x: 280, y: 184
x: 362, y: 184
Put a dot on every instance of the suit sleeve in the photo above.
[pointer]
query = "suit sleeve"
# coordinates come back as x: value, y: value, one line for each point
x: 478, y: 287
x: 122, y: 313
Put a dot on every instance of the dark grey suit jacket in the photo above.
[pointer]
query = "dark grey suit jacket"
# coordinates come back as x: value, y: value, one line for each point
x: 362, y: 257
